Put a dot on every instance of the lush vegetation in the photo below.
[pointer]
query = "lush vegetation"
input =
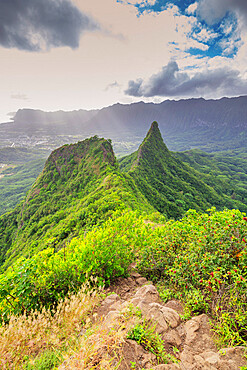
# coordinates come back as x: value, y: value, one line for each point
x: 169, y: 184
x: 86, y: 220
x: 80, y: 187
x: 200, y: 259
x: 225, y: 170
x: 19, y: 156
x: 16, y: 181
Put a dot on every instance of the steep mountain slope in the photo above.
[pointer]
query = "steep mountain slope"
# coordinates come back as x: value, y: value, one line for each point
x: 80, y: 186
x: 227, y: 171
x: 16, y: 181
x: 170, y: 185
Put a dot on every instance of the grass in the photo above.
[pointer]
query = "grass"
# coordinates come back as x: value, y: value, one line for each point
x: 101, y: 346
x: 43, y: 338
x: 144, y: 334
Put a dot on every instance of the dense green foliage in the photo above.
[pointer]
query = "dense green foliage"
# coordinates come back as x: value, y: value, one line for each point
x: 105, y: 252
x: 15, y: 183
x: 20, y: 156
x: 85, y: 218
x: 226, y: 171
x: 202, y: 259
x: 80, y: 186
x: 170, y: 185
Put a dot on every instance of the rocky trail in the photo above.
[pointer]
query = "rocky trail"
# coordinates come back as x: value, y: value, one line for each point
x: 188, y: 345
x: 193, y: 339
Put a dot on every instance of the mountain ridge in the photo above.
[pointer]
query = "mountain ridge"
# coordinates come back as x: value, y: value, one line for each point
x: 82, y: 185
x: 208, y: 124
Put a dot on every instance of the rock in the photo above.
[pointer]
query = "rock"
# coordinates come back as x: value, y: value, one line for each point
x: 173, y: 338
x: 187, y: 357
x: 155, y: 313
x: 117, y: 306
x: 211, y: 358
x: 191, y: 328
x: 171, y: 316
x: 233, y: 356
x: 136, y: 348
x: 166, y: 367
x: 148, y: 293
x: 111, y: 318
x: 141, y: 281
x: 135, y: 275
x: 227, y: 365
x: 200, y: 361
x: 227, y: 352
x: 148, y: 359
x: 142, y: 304
x: 112, y: 298
x: 176, y: 306
x: 134, y: 352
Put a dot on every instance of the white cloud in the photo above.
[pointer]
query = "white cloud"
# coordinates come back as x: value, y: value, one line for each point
x: 206, y: 35
x: 227, y: 27
x: 138, y: 2
x: 192, y: 8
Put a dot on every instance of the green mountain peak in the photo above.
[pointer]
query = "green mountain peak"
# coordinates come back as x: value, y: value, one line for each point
x: 152, y: 149
x: 154, y: 138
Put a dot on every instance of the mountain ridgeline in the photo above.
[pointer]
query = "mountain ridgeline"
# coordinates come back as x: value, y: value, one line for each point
x: 211, y: 125
x: 83, y: 184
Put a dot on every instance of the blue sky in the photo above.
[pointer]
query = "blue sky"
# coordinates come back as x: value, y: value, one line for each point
x: 214, y: 35
x: 74, y: 54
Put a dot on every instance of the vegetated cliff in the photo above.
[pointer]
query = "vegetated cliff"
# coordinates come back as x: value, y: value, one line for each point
x: 81, y: 185
x: 169, y: 184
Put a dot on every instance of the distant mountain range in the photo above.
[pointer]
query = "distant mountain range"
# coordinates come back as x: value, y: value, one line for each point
x: 185, y: 124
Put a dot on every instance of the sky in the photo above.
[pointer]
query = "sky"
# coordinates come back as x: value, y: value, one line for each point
x: 87, y: 54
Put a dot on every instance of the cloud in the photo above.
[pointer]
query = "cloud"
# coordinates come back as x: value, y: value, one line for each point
x: 192, y: 8
x: 212, y: 11
x: 171, y: 82
x: 36, y: 25
x: 19, y: 96
x: 138, y: 2
x: 11, y: 114
x: 112, y: 85
x: 206, y: 35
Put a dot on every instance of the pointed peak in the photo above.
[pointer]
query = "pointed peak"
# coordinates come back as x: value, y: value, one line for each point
x: 154, y: 135
x: 152, y: 147
x: 154, y: 128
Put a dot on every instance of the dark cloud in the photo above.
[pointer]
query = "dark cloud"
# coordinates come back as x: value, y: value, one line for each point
x: 36, y: 25
x: 170, y: 82
x: 212, y: 11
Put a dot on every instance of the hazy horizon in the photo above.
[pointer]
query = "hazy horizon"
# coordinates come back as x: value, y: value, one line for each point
x: 71, y: 55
